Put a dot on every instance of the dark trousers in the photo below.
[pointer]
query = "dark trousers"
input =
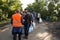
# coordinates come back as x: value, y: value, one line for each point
x: 38, y: 20
x: 26, y: 29
x: 15, y: 36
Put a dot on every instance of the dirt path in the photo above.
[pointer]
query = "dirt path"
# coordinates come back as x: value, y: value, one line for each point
x: 39, y: 33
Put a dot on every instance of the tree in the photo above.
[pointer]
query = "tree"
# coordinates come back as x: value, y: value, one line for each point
x: 58, y: 8
x: 8, y: 7
x: 30, y: 8
x: 38, y: 6
x: 51, y: 7
x: 56, y: 1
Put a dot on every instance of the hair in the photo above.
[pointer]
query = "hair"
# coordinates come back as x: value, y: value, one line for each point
x: 17, y: 11
x: 25, y: 9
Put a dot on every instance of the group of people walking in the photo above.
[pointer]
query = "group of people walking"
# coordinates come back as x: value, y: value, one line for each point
x: 23, y: 20
x: 18, y: 20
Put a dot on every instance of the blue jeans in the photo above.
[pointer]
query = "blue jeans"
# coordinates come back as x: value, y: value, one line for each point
x: 15, y: 31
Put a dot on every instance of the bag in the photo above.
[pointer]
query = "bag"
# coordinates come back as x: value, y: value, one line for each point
x: 33, y: 24
x: 40, y: 20
x: 31, y: 28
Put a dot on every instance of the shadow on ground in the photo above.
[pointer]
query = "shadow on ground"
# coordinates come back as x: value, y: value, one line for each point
x: 54, y: 29
x: 40, y: 33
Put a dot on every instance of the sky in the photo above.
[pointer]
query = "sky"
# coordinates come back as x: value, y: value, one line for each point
x: 26, y: 2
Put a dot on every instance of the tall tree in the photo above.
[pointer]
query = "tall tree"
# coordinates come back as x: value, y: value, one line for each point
x: 8, y: 7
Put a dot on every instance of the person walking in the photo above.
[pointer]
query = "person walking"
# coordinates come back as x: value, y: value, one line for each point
x: 38, y: 16
x: 16, y: 22
x: 27, y: 23
x: 34, y: 18
x: 34, y: 15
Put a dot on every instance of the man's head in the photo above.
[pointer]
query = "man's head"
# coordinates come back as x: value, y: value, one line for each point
x: 17, y: 11
x: 26, y: 10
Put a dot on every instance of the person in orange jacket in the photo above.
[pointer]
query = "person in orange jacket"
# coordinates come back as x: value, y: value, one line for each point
x: 16, y: 22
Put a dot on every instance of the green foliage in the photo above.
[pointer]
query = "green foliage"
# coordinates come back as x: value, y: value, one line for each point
x: 53, y: 18
x: 30, y: 8
x: 7, y: 7
x: 44, y: 13
x: 51, y: 7
x: 38, y: 7
x: 56, y: 1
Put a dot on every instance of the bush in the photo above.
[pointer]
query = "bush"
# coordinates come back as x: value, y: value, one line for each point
x: 53, y: 18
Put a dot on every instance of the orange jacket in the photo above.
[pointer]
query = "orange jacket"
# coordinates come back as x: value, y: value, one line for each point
x: 16, y: 20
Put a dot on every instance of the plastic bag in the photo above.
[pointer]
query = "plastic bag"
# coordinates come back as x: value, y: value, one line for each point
x: 33, y: 24
x: 31, y: 28
x: 40, y: 20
